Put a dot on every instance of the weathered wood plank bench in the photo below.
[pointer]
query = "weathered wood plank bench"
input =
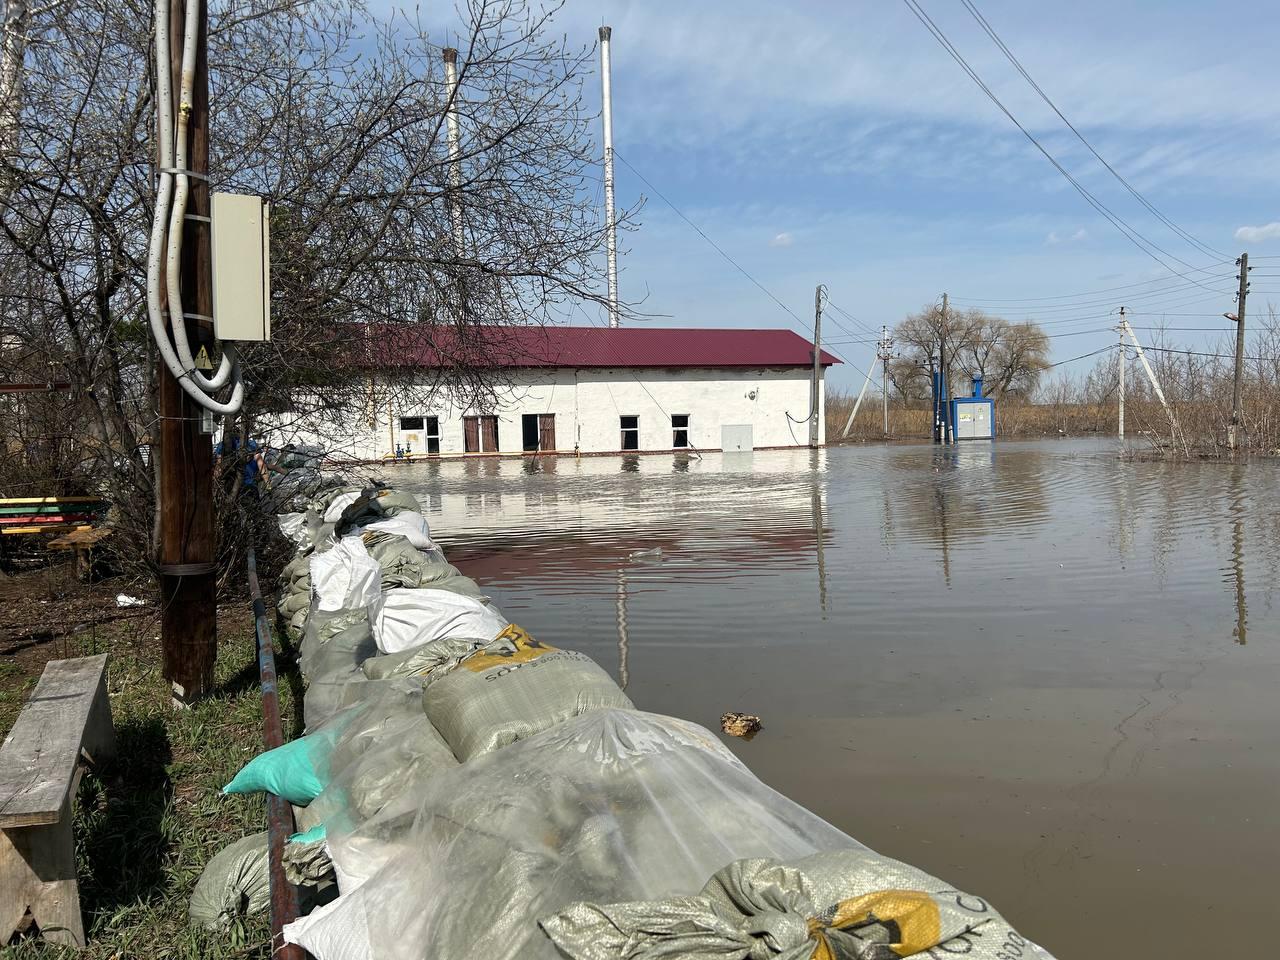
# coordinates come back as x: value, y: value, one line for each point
x: 64, y: 725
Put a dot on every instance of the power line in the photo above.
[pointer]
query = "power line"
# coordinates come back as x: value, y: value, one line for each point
x: 715, y: 246
x: 1092, y: 293
x: 1130, y: 233
x: 1083, y: 356
x: 990, y: 31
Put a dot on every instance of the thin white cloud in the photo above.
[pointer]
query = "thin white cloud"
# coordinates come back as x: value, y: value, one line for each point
x: 785, y: 239
x: 1258, y: 234
x: 1054, y: 238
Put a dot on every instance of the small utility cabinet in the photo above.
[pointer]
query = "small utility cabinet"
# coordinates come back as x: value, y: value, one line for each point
x: 241, y: 267
x: 974, y: 417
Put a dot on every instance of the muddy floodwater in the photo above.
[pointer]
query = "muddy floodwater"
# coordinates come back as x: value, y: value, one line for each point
x: 1044, y: 674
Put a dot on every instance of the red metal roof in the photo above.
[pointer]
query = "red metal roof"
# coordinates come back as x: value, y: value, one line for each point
x: 502, y: 346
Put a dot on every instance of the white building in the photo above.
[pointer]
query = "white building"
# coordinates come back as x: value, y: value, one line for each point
x: 595, y: 390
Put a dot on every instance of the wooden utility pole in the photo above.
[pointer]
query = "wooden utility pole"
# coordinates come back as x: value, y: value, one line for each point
x: 1233, y: 430
x: 188, y: 587
x: 815, y: 384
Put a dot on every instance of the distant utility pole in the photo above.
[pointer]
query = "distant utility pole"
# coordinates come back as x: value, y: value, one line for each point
x: 814, y: 391
x: 610, y: 225
x: 944, y: 373
x: 1233, y: 431
x: 884, y: 350
x: 1121, y: 362
x: 188, y: 584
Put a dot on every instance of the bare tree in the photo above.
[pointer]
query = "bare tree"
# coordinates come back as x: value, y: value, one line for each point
x: 339, y: 120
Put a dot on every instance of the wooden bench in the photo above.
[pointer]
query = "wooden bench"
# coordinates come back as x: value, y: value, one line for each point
x: 82, y: 541
x: 64, y: 725
x: 40, y: 514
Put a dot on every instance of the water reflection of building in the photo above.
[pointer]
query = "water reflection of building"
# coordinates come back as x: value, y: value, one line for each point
x: 625, y: 523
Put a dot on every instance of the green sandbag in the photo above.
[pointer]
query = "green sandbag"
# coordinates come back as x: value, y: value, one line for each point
x: 392, y: 502
x: 442, y: 654
x: 234, y: 884
x: 514, y: 688
x: 404, y: 565
x: 297, y: 771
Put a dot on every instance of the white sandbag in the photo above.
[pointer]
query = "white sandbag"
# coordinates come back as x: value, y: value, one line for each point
x: 410, y: 617
x: 346, y: 577
x: 335, y: 931
x: 293, y: 526
x: 412, y: 526
x: 338, y: 504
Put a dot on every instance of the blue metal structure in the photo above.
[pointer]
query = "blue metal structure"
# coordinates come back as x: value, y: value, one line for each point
x: 974, y: 418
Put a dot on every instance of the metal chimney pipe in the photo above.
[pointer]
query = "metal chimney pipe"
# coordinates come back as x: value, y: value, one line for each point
x: 610, y: 224
x: 455, y: 146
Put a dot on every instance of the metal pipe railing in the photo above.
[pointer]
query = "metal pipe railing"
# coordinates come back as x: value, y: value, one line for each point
x: 284, y: 895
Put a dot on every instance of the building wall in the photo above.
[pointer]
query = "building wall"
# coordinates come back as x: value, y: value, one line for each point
x: 588, y: 405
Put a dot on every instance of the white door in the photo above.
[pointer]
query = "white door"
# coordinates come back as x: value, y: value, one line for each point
x: 736, y: 437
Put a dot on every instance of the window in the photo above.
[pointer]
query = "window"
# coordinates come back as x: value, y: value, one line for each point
x: 480, y: 434
x: 538, y: 432
x: 679, y: 430
x: 630, y: 433
x: 410, y: 423
x: 433, y: 434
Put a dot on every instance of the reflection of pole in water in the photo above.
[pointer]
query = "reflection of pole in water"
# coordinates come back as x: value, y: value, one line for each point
x: 1237, y: 559
x: 942, y: 518
x: 816, y: 505
x: 624, y: 641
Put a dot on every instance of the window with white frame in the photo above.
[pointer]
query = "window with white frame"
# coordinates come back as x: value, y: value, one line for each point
x: 630, y: 432
x: 679, y: 430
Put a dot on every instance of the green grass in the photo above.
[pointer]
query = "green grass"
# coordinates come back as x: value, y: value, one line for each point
x: 148, y: 823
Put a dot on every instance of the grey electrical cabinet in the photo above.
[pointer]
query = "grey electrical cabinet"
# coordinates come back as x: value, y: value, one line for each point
x: 975, y: 418
x: 241, y: 267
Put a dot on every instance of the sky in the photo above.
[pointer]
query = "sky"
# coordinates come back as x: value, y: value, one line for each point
x: 838, y: 143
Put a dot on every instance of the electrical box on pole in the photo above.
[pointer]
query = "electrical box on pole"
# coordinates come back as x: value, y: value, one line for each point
x: 241, y: 267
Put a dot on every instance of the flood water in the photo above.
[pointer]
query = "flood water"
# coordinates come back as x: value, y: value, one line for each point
x: 1042, y: 673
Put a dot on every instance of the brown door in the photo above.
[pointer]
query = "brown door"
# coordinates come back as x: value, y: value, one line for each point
x: 546, y: 432
x: 489, y: 434
x: 471, y: 434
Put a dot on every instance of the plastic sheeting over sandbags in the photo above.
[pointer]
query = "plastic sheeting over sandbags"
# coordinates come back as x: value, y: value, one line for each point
x: 513, y: 688
x: 411, y: 617
x: 607, y: 807
x: 837, y: 905
x: 345, y: 577
x: 417, y: 662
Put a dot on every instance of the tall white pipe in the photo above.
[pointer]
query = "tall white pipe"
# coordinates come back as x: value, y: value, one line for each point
x: 455, y: 146
x: 610, y: 225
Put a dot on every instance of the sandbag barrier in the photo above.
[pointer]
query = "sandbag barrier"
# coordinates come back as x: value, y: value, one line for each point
x: 469, y: 791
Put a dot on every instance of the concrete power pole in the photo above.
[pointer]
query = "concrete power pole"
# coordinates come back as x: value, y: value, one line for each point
x: 1122, y: 358
x: 188, y: 587
x: 884, y: 350
x: 947, y: 436
x: 610, y: 224
x: 815, y: 395
x: 1233, y: 431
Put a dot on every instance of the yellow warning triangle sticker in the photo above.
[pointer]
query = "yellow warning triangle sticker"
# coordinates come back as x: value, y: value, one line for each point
x: 202, y: 360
